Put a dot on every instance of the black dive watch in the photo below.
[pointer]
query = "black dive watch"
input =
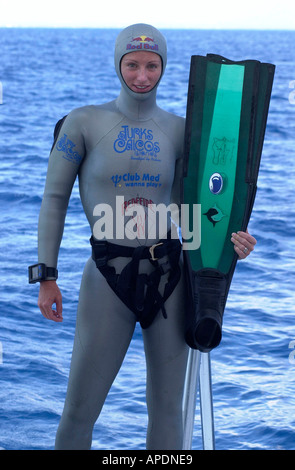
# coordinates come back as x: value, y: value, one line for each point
x: 40, y: 272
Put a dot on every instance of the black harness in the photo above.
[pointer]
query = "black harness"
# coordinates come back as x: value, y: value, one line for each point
x: 140, y: 291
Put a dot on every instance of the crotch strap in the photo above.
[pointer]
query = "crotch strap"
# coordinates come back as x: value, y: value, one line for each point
x: 140, y: 291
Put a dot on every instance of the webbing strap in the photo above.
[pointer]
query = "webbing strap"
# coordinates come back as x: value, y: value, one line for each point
x: 140, y: 291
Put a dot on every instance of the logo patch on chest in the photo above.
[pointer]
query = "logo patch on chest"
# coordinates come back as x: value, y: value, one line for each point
x: 134, y: 179
x: 139, y: 142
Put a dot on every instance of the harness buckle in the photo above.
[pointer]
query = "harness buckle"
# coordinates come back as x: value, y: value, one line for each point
x: 151, y: 250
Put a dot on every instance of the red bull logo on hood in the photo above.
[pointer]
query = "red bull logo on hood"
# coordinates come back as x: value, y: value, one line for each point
x: 145, y: 43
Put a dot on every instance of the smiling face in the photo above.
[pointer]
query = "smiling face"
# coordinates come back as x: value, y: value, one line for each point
x: 141, y: 70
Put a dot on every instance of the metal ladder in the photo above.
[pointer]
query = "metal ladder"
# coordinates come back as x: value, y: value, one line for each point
x: 198, y: 377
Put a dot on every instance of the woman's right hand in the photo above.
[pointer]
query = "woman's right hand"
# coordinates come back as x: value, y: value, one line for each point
x: 50, y: 294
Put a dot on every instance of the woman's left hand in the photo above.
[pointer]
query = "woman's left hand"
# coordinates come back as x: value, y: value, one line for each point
x: 243, y: 243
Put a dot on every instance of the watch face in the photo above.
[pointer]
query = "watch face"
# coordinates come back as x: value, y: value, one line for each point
x: 36, y: 272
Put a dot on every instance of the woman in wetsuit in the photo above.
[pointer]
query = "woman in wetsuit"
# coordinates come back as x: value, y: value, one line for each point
x: 131, y: 149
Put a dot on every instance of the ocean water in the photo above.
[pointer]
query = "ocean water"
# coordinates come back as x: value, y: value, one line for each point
x: 44, y: 74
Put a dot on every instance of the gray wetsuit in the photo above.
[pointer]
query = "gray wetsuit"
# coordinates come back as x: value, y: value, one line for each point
x: 126, y: 153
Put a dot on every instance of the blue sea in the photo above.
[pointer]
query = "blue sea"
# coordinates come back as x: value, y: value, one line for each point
x: 44, y: 73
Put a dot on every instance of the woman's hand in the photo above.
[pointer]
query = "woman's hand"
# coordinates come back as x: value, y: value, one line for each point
x: 243, y: 243
x: 50, y: 294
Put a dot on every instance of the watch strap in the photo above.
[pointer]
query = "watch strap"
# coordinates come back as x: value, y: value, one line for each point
x: 51, y: 272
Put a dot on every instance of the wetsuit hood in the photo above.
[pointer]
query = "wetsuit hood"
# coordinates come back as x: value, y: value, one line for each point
x: 139, y: 37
